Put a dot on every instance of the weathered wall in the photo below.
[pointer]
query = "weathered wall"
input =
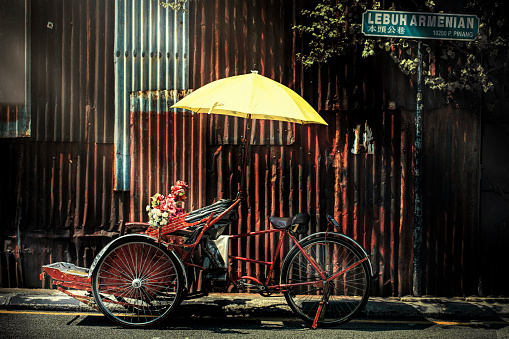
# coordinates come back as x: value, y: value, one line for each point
x: 56, y: 194
x: 57, y: 199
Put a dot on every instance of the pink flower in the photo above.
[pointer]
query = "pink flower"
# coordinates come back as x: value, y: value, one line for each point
x: 167, y: 205
x: 179, y: 191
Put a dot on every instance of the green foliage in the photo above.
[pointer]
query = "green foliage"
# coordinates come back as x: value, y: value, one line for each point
x: 334, y: 29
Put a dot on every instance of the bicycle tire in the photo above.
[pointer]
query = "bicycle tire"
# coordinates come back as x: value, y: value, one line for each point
x: 137, y: 283
x: 350, y: 290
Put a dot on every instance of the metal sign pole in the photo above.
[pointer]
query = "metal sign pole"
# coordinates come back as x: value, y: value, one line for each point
x: 417, y: 249
x: 419, y: 25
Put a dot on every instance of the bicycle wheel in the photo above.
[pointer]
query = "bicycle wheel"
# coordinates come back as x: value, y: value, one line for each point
x: 345, y: 294
x: 137, y: 283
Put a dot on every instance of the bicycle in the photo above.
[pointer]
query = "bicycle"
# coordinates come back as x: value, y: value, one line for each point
x: 139, y: 279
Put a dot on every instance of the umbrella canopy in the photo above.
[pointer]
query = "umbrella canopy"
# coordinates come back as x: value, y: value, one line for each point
x: 251, y: 96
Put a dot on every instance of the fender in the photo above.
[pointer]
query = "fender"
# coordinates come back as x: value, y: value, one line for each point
x: 340, y: 236
x: 134, y: 237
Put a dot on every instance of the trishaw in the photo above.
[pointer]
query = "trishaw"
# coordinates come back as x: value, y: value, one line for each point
x: 140, y: 278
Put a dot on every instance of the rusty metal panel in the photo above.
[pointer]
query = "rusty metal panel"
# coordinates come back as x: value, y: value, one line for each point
x: 166, y: 146
x: 65, y: 189
x: 305, y: 168
x: 72, y: 71
x: 59, y: 191
x: 56, y: 193
x: 494, y: 218
x: 151, y: 53
x: 356, y: 169
x: 451, y: 214
x: 14, y: 122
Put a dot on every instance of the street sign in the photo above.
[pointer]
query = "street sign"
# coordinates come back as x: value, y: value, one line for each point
x: 420, y: 25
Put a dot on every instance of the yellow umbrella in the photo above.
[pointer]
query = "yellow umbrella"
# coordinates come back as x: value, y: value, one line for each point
x: 251, y: 96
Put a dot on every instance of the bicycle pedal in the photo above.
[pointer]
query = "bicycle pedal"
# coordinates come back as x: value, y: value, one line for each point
x: 245, y: 283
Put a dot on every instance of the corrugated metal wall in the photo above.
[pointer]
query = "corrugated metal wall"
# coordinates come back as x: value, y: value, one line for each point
x: 292, y: 168
x: 357, y: 169
x: 453, y: 260
x: 373, y: 193
x: 72, y: 71
x: 151, y: 53
x: 59, y: 202
x: 57, y: 198
x: 494, y: 226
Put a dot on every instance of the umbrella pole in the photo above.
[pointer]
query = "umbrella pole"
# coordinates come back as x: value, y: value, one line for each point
x: 244, y: 158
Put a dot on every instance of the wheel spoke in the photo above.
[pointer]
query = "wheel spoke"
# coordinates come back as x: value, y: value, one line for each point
x: 348, y: 290
x: 132, y: 282
x: 121, y: 275
x: 128, y: 269
x: 150, y: 272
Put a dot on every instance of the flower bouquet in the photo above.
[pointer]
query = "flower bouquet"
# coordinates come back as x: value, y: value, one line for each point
x: 163, y: 209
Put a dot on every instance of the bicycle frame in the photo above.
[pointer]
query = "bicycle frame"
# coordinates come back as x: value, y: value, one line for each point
x: 282, y: 234
x: 271, y: 264
x: 69, y: 276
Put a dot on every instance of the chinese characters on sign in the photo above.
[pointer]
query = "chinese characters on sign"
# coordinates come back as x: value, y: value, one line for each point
x: 420, y: 25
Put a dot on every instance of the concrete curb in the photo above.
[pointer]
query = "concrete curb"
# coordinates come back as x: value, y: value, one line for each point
x: 254, y: 305
x: 439, y: 308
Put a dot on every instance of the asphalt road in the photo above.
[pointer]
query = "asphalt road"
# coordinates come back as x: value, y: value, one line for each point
x: 71, y: 325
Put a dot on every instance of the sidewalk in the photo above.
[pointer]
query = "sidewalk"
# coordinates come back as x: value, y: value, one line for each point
x: 254, y: 305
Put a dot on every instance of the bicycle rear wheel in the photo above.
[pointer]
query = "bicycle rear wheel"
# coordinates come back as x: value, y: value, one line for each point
x: 346, y: 294
x: 137, y: 283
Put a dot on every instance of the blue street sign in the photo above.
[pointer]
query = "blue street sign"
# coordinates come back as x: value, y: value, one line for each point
x: 420, y: 25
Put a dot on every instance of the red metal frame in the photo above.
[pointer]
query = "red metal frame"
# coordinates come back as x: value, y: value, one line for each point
x: 81, y: 282
x: 282, y: 234
x: 163, y: 235
x: 267, y: 263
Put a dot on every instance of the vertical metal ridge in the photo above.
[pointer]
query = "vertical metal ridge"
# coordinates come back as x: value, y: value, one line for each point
x: 151, y: 53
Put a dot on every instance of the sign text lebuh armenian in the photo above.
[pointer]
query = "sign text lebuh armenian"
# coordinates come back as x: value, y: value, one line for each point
x: 420, y: 25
